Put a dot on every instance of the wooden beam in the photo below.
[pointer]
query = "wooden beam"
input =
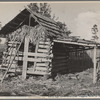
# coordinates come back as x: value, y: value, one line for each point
x: 25, y: 15
x: 41, y: 17
x: 31, y: 54
x: 25, y: 59
x: 19, y: 19
x: 75, y: 43
x: 12, y: 27
x: 94, y: 70
x: 15, y: 23
x: 36, y: 50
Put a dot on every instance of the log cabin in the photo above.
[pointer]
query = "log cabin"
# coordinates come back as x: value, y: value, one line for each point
x: 37, y: 46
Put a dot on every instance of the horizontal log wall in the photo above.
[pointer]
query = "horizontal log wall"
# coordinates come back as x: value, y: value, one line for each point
x: 60, y: 59
x: 43, y: 57
x: 65, y: 61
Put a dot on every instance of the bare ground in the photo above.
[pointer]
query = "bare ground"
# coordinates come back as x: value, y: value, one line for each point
x: 78, y: 84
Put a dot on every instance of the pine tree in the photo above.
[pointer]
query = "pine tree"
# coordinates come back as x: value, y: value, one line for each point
x: 94, y: 32
x: 42, y: 8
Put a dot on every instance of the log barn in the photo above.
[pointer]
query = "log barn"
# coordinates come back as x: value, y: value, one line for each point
x: 36, y: 45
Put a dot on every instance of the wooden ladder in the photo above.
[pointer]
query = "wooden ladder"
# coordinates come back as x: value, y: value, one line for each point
x: 10, y: 61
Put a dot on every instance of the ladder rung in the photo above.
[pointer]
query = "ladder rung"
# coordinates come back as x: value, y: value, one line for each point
x: 10, y: 42
x: 10, y: 61
x: 3, y: 68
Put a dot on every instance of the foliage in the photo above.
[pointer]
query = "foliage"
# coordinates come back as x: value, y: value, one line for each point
x: 63, y: 27
x: 42, y: 8
x: 94, y: 32
x: 45, y: 9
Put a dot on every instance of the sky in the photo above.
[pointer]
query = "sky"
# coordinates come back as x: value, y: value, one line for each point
x: 79, y: 17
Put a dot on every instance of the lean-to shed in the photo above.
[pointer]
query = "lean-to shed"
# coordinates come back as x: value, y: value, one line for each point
x: 36, y: 45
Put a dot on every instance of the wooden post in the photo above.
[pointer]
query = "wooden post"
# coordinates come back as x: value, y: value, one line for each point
x: 29, y: 22
x: 25, y: 59
x: 94, y: 70
x: 36, y: 49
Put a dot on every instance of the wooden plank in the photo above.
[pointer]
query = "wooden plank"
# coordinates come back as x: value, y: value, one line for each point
x: 41, y: 17
x: 33, y: 54
x: 56, y: 30
x: 29, y: 72
x: 14, y: 49
x: 39, y: 54
x: 37, y: 72
x: 46, y: 40
x: 94, y: 70
x: 48, y: 23
x: 45, y: 46
x: 39, y: 60
x: 42, y: 64
x: 43, y: 50
x: 42, y: 42
x: 11, y: 42
x: 25, y: 59
x: 34, y: 60
x: 10, y: 45
x: 61, y: 64
x: 60, y: 57
x: 59, y: 54
x: 36, y: 50
x: 58, y: 62
x: 38, y: 68
x: 16, y: 58
x: 74, y: 43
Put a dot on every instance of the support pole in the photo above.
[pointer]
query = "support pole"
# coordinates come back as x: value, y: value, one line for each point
x: 94, y: 70
x: 25, y: 59
x: 36, y: 50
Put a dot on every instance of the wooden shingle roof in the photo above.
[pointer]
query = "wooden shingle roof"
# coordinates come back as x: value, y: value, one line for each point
x: 23, y: 19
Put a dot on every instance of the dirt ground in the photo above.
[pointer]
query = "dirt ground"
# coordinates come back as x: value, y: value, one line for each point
x: 78, y: 84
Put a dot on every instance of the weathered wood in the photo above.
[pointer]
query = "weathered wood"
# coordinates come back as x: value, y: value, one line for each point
x: 74, y: 43
x: 43, y: 50
x: 60, y: 57
x: 58, y: 62
x: 42, y: 21
x: 10, y: 45
x: 44, y: 46
x: 36, y: 50
x: 42, y: 64
x: 61, y: 64
x: 29, y: 72
x: 33, y: 59
x: 11, y: 42
x: 39, y: 60
x: 42, y: 42
x: 32, y: 54
x: 52, y: 28
x: 25, y: 58
x: 59, y: 54
x: 94, y: 70
x: 41, y: 17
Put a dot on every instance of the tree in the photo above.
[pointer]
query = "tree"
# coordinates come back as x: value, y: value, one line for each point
x: 45, y: 10
x: 34, y: 7
x: 63, y: 27
x: 94, y: 32
x: 42, y: 8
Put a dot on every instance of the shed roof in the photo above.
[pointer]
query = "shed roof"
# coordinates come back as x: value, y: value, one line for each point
x: 80, y: 44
